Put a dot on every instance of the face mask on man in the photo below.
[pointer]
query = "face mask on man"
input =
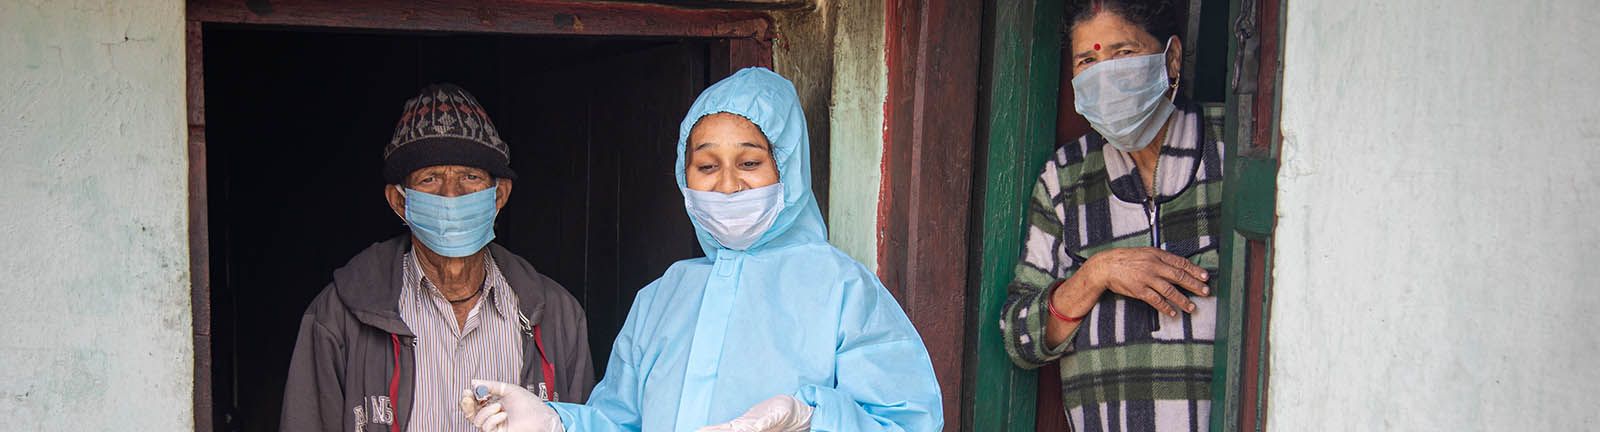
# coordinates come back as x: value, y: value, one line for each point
x: 738, y: 219
x: 1125, y: 99
x: 452, y: 226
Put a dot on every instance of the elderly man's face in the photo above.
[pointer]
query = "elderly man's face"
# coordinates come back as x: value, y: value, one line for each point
x: 447, y: 181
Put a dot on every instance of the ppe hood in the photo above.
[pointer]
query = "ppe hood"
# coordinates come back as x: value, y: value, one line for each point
x: 768, y: 100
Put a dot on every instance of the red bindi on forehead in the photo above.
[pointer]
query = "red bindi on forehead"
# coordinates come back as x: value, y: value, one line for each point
x: 1096, y: 47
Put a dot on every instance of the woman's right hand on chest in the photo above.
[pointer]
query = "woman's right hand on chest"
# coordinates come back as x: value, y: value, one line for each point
x: 1151, y: 275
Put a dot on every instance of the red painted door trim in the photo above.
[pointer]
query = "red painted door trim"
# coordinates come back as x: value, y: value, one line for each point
x: 925, y: 201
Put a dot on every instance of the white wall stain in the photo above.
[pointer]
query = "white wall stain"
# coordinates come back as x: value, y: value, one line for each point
x: 1436, y: 244
x: 95, y: 273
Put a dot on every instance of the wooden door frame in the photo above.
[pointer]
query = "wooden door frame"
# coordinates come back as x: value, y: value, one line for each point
x: 1244, y: 294
x: 932, y: 49
x: 1018, y: 124
x: 744, y: 38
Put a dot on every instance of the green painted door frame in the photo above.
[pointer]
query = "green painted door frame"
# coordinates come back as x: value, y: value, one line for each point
x: 1021, y: 73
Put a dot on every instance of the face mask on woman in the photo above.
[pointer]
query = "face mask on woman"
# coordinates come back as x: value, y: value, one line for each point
x: 452, y: 226
x: 1124, y: 99
x: 738, y: 219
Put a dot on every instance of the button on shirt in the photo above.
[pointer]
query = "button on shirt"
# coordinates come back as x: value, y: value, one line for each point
x: 449, y: 356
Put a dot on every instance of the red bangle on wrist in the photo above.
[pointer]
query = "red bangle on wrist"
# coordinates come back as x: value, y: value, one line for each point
x: 1050, y: 304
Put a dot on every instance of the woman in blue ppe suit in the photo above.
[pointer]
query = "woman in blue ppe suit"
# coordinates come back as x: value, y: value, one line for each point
x: 775, y: 329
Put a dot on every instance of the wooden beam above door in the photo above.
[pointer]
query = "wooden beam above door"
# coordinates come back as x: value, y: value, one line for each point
x: 736, y: 4
x: 529, y: 17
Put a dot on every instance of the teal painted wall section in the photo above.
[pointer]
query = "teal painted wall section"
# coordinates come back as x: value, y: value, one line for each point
x: 860, y: 86
x: 94, y: 283
x: 1436, y: 238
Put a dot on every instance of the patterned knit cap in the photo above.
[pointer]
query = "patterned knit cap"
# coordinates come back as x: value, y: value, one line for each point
x: 444, y: 125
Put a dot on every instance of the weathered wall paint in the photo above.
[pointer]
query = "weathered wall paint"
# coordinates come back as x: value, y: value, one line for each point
x: 803, y: 53
x: 861, y: 84
x: 1436, y: 242
x: 95, y: 269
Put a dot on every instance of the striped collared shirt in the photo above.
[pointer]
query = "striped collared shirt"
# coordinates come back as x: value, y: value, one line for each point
x: 449, y: 356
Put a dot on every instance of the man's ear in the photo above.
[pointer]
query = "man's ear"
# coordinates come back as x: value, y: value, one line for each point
x: 502, y: 193
x: 397, y: 200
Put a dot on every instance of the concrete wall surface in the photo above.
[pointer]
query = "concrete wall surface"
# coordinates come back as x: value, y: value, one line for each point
x: 1436, y: 242
x: 860, y: 89
x: 94, y: 272
x: 803, y: 53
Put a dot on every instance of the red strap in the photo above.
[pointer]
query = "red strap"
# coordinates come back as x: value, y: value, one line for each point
x: 545, y: 365
x: 394, y: 387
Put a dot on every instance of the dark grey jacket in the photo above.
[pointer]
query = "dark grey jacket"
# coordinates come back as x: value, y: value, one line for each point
x: 353, y: 366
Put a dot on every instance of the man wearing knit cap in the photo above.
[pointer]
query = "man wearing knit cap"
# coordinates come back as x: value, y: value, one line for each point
x: 402, y: 329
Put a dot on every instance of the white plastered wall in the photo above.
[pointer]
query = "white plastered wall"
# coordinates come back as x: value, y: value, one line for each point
x: 94, y: 283
x: 860, y: 88
x: 1437, y: 249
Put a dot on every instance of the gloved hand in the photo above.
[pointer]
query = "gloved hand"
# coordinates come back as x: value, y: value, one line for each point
x: 781, y: 413
x: 511, y: 409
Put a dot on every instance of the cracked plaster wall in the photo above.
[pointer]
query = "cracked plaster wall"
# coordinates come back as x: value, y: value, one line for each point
x: 1436, y: 241
x: 94, y: 283
x: 861, y: 87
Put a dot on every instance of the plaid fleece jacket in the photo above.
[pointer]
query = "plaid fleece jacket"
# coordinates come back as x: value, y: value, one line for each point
x: 1126, y: 367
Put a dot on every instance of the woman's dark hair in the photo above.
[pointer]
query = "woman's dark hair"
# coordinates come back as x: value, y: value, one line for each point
x: 1161, y: 18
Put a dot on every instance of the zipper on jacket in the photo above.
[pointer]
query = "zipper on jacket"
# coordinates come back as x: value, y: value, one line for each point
x: 1153, y: 215
x: 1152, y: 208
x: 1152, y: 211
x: 394, y: 387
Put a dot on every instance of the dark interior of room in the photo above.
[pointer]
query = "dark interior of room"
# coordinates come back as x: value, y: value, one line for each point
x: 296, y: 121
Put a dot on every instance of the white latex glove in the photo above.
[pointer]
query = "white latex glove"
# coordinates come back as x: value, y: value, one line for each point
x: 509, y: 409
x: 777, y: 414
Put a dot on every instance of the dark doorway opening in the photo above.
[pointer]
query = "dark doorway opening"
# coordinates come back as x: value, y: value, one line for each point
x: 295, y: 122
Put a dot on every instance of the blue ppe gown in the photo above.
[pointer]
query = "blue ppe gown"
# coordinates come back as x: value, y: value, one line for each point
x: 790, y: 315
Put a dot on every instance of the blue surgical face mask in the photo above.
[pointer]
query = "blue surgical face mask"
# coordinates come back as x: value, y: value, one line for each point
x: 738, y: 219
x: 1125, y: 99
x: 452, y: 226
